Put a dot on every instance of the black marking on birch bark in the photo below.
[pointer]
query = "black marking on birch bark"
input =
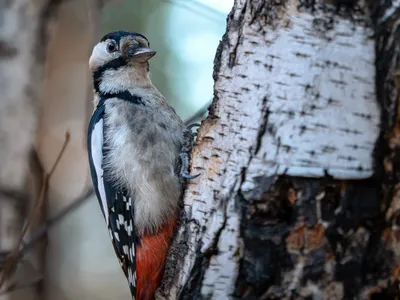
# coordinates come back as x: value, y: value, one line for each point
x: 223, y: 43
x: 263, y: 126
x: 352, y: 10
x: 306, y: 204
x: 193, y: 286
x: 263, y: 233
x: 268, y: 12
x: 354, y: 238
x: 355, y: 222
x: 218, y: 54
x: 213, y: 107
x: 236, y: 25
x: 329, y: 5
x: 387, y: 38
x: 217, y: 66
x: 192, y: 289
x: 201, y: 264
x: 386, y: 152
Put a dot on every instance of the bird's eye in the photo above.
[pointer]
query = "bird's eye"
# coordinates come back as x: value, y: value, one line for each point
x: 112, y: 46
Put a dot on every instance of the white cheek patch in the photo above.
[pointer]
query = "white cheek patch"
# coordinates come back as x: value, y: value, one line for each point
x: 99, y: 56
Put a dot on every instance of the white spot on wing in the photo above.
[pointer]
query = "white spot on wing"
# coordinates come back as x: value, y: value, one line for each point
x: 132, y: 259
x: 121, y: 218
x: 129, y: 203
x: 129, y: 228
x: 131, y: 277
x: 97, y: 157
x: 133, y: 251
x: 116, y: 236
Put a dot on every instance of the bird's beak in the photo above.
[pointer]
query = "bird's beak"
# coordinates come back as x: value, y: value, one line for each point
x: 141, y: 54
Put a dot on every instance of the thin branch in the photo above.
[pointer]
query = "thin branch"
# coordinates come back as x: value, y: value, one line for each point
x: 66, y: 141
x: 11, y: 259
x: 41, y: 233
x: 16, y: 286
x: 200, y: 114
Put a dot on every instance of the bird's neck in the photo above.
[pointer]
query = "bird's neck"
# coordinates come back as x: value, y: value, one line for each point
x: 122, y: 79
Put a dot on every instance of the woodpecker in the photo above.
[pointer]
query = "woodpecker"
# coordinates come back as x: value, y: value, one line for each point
x: 138, y: 150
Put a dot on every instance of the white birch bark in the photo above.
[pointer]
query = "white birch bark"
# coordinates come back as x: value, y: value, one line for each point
x: 294, y: 97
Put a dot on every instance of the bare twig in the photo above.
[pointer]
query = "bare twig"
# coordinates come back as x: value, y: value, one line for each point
x: 40, y: 234
x: 200, y: 114
x: 15, y: 285
x: 37, y: 236
x: 11, y: 259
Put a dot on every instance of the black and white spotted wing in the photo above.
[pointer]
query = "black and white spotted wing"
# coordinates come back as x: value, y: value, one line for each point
x: 115, y: 205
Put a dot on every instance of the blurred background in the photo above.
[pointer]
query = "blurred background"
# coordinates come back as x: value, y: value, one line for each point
x: 185, y: 34
x: 80, y: 262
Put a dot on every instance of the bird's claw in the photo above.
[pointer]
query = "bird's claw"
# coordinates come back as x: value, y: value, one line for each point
x: 189, y: 127
x: 188, y: 176
x: 184, y: 156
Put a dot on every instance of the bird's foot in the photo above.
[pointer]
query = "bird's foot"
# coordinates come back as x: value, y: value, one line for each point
x: 184, y: 155
x: 184, y: 172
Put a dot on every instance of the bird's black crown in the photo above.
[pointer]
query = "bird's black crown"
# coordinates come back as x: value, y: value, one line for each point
x: 118, y: 35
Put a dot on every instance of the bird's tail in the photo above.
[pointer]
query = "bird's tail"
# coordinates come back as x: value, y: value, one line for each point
x: 150, y: 260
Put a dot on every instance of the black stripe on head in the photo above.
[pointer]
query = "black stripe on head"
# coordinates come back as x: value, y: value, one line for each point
x: 111, y: 65
x: 118, y: 35
x: 115, y: 63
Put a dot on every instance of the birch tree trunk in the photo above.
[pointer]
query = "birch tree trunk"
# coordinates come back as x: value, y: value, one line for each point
x: 25, y: 27
x: 298, y: 194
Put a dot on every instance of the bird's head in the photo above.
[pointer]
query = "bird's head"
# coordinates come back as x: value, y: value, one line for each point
x: 121, y: 53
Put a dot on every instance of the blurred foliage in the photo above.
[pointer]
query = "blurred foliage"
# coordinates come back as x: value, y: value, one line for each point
x: 185, y: 34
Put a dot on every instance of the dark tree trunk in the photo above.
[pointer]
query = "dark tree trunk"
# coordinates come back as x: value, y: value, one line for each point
x: 298, y: 194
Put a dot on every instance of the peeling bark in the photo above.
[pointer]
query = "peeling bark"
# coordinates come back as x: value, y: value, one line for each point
x: 299, y: 189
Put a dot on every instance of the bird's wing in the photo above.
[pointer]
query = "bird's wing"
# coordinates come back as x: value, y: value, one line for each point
x: 116, y: 206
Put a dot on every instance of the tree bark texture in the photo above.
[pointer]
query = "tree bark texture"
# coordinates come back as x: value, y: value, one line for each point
x: 25, y: 26
x: 298, y: 196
